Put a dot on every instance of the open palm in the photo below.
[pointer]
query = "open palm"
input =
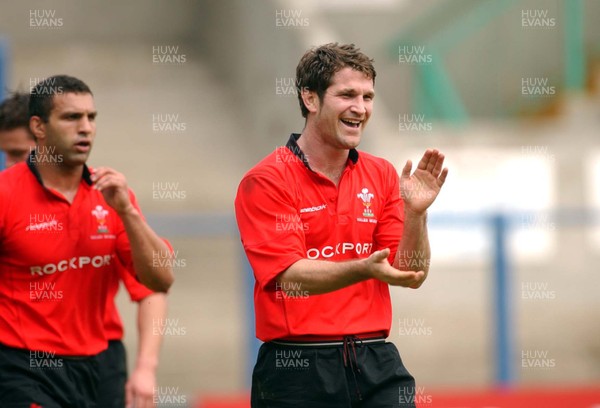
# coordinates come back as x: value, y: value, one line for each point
x: 420, y: 189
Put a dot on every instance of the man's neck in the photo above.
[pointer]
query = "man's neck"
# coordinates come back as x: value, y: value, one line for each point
x: 59, y: 177
x: 322, y: 157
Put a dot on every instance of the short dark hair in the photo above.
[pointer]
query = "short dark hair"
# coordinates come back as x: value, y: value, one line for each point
x: 318, y: 66
x: 42, y: 94
x: 14, y: 111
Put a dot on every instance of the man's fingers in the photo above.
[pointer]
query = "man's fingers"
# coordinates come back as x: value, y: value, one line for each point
x: 106, y: 181
x: 442, y: 178
x: 109, y: 180
x: 408, y: 278
x: 432, y: 160
x: 425, y: 160
x: 102, y: 173
x: 407, y: 168
x: 405, y: 278
x: 379, y: 256
x: 437, y: 169
x: 99, y: 172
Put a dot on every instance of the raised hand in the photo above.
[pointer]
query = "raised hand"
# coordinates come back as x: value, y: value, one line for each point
x: 420, y: 189
x: 113, y: 187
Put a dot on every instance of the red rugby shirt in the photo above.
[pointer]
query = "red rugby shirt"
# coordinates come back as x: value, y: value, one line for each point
x: 287, y: 212
x: 57, y: 260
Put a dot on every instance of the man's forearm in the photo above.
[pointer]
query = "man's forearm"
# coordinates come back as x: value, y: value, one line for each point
x: 152, y: 312
x: 151, y: 256
x: 414, y: 253
x: 317, y: 277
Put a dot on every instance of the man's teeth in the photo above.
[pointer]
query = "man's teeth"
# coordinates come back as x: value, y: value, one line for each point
x: 350, y: 122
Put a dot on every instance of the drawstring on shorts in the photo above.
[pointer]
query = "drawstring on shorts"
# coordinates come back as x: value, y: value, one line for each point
x: 349, y: 354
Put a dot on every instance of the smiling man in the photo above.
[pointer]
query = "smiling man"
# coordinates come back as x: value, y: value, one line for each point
x: 326, y: 229
x: 66, y: 233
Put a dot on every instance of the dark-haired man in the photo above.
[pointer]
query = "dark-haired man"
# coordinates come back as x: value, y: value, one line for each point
x: 65, y: 230
x: 16, y: 141
x: 115, y: 390
x: 326, y: 229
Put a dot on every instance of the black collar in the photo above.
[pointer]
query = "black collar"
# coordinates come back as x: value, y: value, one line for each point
x: 292, y: 144
x: 33, y: 168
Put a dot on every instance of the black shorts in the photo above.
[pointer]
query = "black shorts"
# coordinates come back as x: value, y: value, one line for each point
x: 113, y: 375
x: 40, y: 379
x: 355, y: 374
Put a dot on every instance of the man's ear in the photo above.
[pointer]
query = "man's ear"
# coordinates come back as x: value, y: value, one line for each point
x: 37, y: 127
x: 311, y: 100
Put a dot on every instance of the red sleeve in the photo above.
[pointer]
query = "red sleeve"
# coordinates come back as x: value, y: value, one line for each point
x: 391, y: 222
x: 136, y: 290
x: 259, y: 203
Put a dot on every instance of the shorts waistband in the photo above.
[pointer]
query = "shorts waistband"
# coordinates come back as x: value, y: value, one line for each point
x: 327, y: 342
x: 28, y: 352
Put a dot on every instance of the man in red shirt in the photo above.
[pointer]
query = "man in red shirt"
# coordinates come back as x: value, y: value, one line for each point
x: 16, y: 141
x: 65, y: 231
x: 326, y: 229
